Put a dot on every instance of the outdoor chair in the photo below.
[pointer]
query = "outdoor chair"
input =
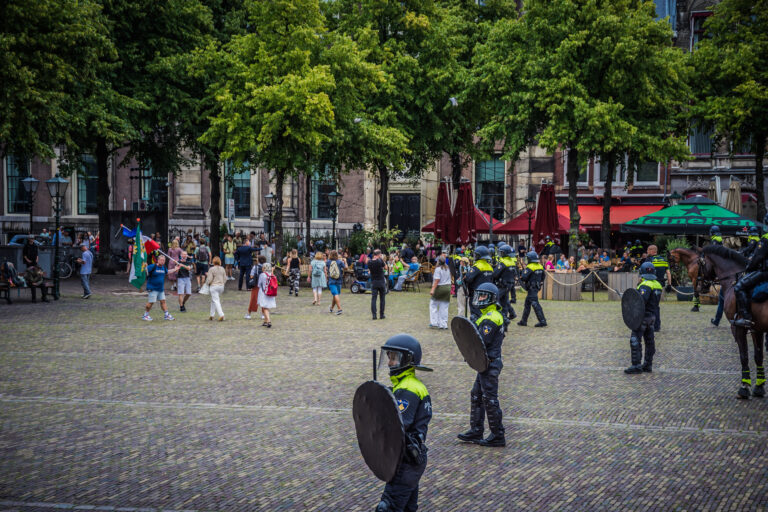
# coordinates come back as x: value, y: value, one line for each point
x: 412, y: 281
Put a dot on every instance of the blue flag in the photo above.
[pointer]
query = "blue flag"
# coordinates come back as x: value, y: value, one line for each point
x: 128, y: 233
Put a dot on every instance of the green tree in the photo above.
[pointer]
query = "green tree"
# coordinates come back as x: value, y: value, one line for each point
x: 732, y: 74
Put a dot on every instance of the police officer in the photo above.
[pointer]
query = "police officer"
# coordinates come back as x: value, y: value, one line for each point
x: 714, y: 235
x: 636, y: 251
x: 453, y: 266
x: 548, y: 246
x: 532, y: 281
x: 663, y: 276
x: 755, y: 273
x: 492, y: 250
x: 481, y: 272
x: 650, y: 289
x: 484, y: 397
x: 504, y: 275
x: 752, y: 240
x: 403, y: 355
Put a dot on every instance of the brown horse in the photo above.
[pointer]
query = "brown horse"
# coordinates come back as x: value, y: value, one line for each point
x: 690, y: 259
x: 726, y: 264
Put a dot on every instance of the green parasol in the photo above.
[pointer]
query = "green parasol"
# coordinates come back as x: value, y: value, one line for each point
x: 693, y: 216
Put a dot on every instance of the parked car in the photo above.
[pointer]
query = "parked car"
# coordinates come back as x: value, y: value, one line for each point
x: 21, y: 240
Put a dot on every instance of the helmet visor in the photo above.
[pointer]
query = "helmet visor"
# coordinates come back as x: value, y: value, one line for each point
x: 482, y: 298
x: 389, y: 359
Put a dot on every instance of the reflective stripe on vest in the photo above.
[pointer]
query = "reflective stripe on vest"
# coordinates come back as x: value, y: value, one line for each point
x: 652, y: 284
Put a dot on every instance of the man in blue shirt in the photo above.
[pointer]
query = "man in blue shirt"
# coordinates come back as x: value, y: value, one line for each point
x: 243, y: 255
x: 86, y: 267
x: 156, y: 287
x: 413, y: 267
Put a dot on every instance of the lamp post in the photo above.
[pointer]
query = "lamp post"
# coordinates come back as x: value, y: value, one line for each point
x: 270, y: 199
x: 57, y: 186
x: 30, y: 186
x: 335, y: 199
x: 530, y: 205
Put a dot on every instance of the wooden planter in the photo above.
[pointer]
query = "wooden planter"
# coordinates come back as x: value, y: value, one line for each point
x: 620, y: 281
x: 557, y: 291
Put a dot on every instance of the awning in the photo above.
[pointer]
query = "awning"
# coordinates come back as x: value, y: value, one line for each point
x: 592, y: 215
x: 519, y: 225
x: 693, y: 216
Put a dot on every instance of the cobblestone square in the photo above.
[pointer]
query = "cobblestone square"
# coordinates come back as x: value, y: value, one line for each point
x: 101, y: 411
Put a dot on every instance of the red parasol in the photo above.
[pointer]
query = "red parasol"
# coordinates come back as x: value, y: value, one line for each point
x: 546, y: 215
x: 464, y: 218
x: 443, y: 217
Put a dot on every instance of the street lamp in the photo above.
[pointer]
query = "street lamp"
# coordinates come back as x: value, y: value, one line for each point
x: 675, y: 198
x: 30, y: 186
x: 57, y: 187
x: 335, y: 199
x: 270, y: 199
x: 530, y: 205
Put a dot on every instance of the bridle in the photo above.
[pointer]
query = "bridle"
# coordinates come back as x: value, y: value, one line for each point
x: 704, y: 267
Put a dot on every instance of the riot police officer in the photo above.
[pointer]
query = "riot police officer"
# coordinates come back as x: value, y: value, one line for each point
x: 548, y: 246
x: 755, y: 273
x: 650, y: 289
x: 504, y: 275
x: 752, y: 240
x: 481, y: 272
x: 532, y: 281
x: 663, y: 276
x: 484, y: 397
x: 637, y: 250
x: 403, y: 355
x: 714, y: 235
x: 492, y: 251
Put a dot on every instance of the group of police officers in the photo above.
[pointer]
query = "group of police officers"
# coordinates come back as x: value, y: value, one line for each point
x: 490, y: 283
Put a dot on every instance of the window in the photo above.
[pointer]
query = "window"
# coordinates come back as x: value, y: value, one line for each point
x: 697, y: 27
x: 237, y: 186
x: 619, y: 174
x: 322, y: 185
x: 647, y: 172
x: 154, y: 193
x: 666, y: 8
x: 15, y: 171
x: 489, y: 187
x: 87, y: 187
x: 700, y: 141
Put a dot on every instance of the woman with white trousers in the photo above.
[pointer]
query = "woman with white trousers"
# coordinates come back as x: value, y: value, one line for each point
x: 441, y: 295
x: 216, y: 279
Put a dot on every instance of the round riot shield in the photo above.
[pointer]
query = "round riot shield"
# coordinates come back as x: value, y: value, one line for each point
x: 632, y: 308
x: 379, y: 428
x: 470, y: 343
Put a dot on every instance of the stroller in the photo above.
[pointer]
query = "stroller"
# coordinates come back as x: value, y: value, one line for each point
x: 362, y: 281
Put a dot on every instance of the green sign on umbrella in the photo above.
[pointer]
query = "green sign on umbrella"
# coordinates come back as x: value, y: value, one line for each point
x: 693, y: 216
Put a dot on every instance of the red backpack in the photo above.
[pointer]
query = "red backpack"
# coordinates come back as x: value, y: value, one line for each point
x: 271, y: 286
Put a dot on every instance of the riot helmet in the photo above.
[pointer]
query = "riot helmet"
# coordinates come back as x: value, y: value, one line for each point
x: 485, y: 295
x: 638, y: 242
x: 754, y: 231
x: 714, y: 230
x: 482, y: 253
x: 547, y: 238
x: 400, y: 352
x: 492, y: 250
x: 532, y: 257
x: 505, y: 250
x: 647, y: 270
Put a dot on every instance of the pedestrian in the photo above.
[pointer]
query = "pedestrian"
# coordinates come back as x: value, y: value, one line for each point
x: 267, y: 292
x: 174, y: 253
x: 156, y: 273
x: 216, y: 278
x: 86, y: 267
x: 245, y: 262
x: 253, y: 279
x: 183, y: 281
x: 377, y: 268
x: 335, y: 280
x: 294, y: 272
x: 441, y: 294
x: 301, y: 247
x: 318, y: 277
x: 202, y: 257
x: 229, y: 256
x: 29, y: 252
x: 461, y: 288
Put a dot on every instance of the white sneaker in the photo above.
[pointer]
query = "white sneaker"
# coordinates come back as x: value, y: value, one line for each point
x: 146, y: 317
x: 247, y: 317
x: 169, y: 317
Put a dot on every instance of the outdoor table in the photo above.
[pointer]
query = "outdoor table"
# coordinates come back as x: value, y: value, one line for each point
x: 562, y: 286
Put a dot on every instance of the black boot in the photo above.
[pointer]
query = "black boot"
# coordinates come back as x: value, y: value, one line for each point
x: 648, y: 363
x: 637, y: 354
x: 496, y: 438
x: 742, y: 304
x: 539, y: 315
x: 513, y: 315
x: 476, y: 421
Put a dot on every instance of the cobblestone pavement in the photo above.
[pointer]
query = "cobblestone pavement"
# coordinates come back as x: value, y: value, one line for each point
x: 101, y: 411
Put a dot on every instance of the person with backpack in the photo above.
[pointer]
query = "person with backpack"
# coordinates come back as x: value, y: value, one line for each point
x: 267, y: 293
x: 336, y: 268
x: 253, y: 279
x: 202, y: 257
x: 317, y: 278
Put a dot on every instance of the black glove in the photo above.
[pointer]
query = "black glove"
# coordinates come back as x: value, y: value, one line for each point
x: 668, y: 288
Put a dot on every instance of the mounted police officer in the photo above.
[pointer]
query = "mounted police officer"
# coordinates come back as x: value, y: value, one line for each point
x: 532, y: 280
x: 650, y: 289
x: 755, y: 273
x: 663, y: 276
x: 403, y: 356
x: 484, y: 397
x: 481, y: 272
x: 504, y: 275
x: 715, y: 236
x: 752, y: 240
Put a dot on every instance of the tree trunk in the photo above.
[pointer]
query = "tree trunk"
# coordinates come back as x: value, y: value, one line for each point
x: 215, y: 177
x: 104, y: 264
x: 308, y: 207
x: 456, y: 169
x: 573, y: 177
x: 383, y: 195
x: 759, y: 178
x: 278, y: 219
x: 605, y: 232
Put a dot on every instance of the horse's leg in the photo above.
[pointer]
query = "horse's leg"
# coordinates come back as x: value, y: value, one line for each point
x: 696, y: 301
x: 757, y: 341
x: 740, y: 335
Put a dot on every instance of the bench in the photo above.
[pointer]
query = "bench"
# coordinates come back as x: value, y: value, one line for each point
x: 46, y: 288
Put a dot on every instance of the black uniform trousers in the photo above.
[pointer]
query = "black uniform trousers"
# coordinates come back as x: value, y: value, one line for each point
x: 743, y: 289
x: 512, y: 294
x: 532, y: 301
x: 378, y: 288
x: 245, y: 273
x: 645, y: 331
x: 657, y: 311
x: 485, y: 399
x: 402, y: 493
x: 506, y: 307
